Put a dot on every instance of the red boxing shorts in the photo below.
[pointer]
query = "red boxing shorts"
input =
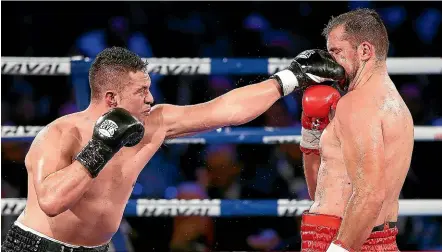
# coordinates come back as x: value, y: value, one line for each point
x: 318, y: 231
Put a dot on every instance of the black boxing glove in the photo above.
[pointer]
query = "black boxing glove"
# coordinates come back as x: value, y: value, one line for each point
x: 309, y: 68
x: 113, y: 130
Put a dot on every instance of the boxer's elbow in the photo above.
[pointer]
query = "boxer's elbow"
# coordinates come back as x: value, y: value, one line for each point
x: 51, y: 205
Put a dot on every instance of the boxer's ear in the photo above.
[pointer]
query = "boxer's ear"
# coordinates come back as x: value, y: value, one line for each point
x: 366, y: 51
x: 111, y: 98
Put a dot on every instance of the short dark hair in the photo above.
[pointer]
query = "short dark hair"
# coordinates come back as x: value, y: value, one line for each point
x: 362, y: 25
x: 109, y: 65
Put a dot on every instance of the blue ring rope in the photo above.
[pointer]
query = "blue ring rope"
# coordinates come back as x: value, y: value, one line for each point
x: 231, y: 208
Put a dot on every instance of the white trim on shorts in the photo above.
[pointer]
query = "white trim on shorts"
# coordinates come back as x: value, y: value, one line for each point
x: 28, y: 229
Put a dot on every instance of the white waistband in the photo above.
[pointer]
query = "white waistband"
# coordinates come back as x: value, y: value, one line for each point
x: 28, y: 229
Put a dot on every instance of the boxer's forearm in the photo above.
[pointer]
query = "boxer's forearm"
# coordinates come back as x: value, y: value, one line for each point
x: 61, y: 190
x: 360, y: 217
x: 311, y: 167
x: 244, y: 104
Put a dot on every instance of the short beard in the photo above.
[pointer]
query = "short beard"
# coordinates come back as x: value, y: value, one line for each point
x: 352, y: 75
x: 356, y: 75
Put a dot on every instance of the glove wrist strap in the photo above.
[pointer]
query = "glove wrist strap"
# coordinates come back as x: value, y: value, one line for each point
x: 287, y: 80
x: 310, y: 139
x: 94, y: 156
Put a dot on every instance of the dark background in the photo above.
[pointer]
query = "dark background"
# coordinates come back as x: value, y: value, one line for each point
x: 216, y: 29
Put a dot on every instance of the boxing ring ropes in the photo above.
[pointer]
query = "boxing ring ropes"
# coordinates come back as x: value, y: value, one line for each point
x: 77, y: 67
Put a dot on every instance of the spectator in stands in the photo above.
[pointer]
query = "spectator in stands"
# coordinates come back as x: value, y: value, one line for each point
x: 192, y: 233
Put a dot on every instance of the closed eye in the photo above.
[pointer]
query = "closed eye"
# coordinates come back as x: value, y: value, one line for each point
x: 142, y: 90
x: 334, y: 50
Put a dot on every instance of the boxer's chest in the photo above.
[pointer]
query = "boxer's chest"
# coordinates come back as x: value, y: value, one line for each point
x: 104, y: 203
x: 329, y: 143
x: 115, y: 182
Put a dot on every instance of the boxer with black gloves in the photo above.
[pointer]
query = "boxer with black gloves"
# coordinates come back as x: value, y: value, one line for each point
x: 113, y: 130
x: 81, y: 175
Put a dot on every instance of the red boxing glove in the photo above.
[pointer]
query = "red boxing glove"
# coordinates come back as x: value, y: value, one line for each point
x: 317, y: 102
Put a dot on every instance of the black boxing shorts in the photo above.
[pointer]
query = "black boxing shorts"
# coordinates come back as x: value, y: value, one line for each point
x: 22, y: 239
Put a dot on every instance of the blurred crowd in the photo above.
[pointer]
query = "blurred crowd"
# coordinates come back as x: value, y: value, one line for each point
x: 215, y: 29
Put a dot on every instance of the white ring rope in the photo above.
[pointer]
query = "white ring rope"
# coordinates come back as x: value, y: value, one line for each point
x: 267, y: 135
x: 229, y: 208
x: 172, y: 66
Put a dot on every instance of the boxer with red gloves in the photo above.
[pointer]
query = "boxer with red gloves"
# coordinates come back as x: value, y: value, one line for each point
x: 319, y: 231
x: 357, y: 151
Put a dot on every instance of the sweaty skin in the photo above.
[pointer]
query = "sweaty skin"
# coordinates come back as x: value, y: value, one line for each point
x: 76, y: 209
x: 365, y: 153
x: 311, y: 166
x: 384, y: 112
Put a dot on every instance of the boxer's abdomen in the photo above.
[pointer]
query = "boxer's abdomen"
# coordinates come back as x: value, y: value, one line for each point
x: 333, y: 187
x: 89, y: 222
x: 96, y: 216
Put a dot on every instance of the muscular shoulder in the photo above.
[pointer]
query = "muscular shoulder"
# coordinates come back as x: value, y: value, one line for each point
x: 67, y: 126
x: 156, y: 118
x: 356, y: 103
x: 154, y: 124
x: 169, y: 119
x: 164, y: 115
x: 355, y: 110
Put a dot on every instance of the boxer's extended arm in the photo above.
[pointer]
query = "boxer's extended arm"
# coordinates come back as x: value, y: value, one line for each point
x: 58, y: 182
x: 236, y: 107
x: 360, y: 134
x: 311, y: 167
x: 244, y: 104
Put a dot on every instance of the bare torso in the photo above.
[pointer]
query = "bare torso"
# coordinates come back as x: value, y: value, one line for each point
x: 334, y: 188
x: 97, y: 215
